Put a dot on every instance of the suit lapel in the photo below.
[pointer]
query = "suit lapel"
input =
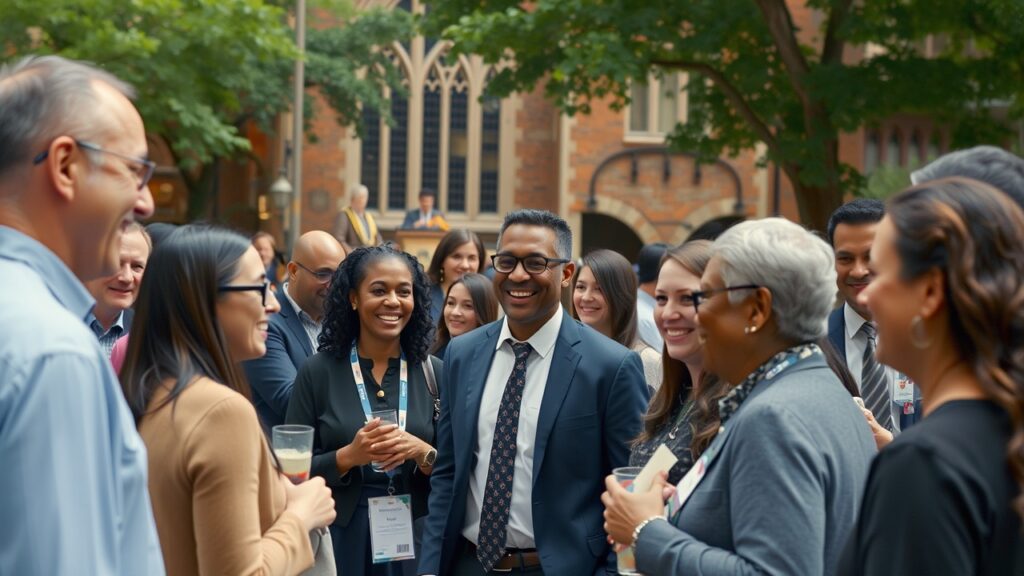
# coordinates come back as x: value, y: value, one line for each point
x: 291, y: 320
x: 563, y: 368
x: 476, y: 378
x: 837, y: 331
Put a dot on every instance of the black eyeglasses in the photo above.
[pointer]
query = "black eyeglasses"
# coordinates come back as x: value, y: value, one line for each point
x: 261, y: 288
x: 141, y: 168
x: 700, y: 295
x: 322, y: 276
x: 506, y: 263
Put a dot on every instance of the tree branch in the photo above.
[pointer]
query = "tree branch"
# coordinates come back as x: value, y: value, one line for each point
x: 731, y: 93
x: 780, y: 25
x: 832, y: 51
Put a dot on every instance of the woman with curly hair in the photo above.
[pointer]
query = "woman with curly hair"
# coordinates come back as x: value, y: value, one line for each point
x: 459, y: 252
x: 947, y: 299
x: 684, y: 411
x: 470, y: 304
x: 374, y: 343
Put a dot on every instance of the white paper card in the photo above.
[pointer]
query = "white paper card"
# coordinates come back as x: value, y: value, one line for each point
x: 391, y: 528
x: 661, y: 461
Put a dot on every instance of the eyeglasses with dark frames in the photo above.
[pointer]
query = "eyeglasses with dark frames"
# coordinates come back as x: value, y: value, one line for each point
x: 141, y: 168
x: 322, y: 276
x: 261, y: 288
x: 533, y: 264
x: 701, y: 295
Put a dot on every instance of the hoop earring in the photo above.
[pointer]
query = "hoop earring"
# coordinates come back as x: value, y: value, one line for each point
x: 918, y: 337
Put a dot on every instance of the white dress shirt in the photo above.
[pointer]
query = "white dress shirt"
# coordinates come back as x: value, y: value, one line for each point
x: 538, y: 365
x: 645, y: 325
x: 856, y: 345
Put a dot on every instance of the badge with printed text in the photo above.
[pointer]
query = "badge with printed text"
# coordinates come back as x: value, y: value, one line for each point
x: 391, y: 528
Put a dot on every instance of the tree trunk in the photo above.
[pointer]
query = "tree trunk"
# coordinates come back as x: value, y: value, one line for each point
x: 816, y: 204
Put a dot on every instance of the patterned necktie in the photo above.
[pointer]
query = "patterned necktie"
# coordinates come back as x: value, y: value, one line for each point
x: 874, y: 386
x: 501, y: 468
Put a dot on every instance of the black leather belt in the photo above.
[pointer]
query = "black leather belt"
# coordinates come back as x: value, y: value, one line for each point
x: 514, y: 558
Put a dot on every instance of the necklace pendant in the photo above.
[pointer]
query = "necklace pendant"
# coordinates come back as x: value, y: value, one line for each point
x: 380, y: 393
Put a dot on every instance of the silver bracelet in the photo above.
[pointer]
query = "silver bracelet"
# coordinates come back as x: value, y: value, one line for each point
x: 641, y: 526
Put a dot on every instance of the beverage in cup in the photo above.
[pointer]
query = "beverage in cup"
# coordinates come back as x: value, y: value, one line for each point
x: 625, y: 477
x: 293, y: 446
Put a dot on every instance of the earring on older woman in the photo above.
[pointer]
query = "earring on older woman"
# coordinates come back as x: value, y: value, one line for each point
x: 749, y: 329
x: 918, y: 336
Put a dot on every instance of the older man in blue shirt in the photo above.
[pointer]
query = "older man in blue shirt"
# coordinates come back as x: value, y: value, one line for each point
x: 73, y: 174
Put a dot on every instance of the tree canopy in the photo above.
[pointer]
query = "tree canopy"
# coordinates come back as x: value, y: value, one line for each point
x: 754, y: 76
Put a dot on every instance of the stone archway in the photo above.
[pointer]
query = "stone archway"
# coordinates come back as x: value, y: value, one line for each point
x: 603, y: 231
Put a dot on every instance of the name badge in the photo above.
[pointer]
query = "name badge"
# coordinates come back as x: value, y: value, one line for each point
x: 391, y: 528
x: 903, y: 390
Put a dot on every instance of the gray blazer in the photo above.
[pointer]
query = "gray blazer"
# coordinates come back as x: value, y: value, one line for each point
x: 782, y: 493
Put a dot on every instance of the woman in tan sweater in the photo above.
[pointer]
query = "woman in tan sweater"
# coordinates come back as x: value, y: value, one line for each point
x: 221, y: 505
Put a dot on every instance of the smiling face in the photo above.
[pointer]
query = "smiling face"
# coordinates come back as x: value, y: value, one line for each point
x: 384, y: 299
x: 459, y: 313
x: 720, y: 328
x: 242, y: 316
x: 530, y: 300
x: 591, y: 306
x: 118, y: 292
x: 265, y: 246
x: 852, y: 244
x: 674, y: 314
x: 462, y: 260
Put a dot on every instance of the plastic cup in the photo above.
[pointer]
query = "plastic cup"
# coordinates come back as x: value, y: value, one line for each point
x: 626, y: 561
x: 293, y: 446
x: 386, y: 417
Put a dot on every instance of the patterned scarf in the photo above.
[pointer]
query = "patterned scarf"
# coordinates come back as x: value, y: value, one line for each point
x: 732, y: 401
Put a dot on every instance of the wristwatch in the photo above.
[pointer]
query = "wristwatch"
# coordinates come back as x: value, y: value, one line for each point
x: 429, y: 458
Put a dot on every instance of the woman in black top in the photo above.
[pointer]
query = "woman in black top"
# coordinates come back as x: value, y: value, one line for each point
x: 376, y: 311
x: 948, y: 301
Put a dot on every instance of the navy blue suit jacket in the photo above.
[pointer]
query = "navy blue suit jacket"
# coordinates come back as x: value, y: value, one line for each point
x: 271, y: 377
x: 837, y: 336
x: 592, y: 407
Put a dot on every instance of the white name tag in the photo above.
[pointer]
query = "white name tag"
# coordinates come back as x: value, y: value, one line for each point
x: 391, y: 528
x: 903, y: 390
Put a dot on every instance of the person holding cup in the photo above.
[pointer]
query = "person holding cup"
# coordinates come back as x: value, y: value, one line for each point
x: 220, y: 503
x: 374, y: 346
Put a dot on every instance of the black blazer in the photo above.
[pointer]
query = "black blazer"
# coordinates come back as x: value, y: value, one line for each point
x: 325, y: 397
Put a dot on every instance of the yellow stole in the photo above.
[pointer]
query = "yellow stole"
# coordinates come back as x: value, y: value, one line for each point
x: 367, y: 237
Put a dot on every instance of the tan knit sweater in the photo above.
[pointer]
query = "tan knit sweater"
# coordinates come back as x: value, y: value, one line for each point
x: 218, y: 501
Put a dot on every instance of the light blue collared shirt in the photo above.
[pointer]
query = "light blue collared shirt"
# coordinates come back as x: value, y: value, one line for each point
x: 73, y: 494
x: 107, y: 338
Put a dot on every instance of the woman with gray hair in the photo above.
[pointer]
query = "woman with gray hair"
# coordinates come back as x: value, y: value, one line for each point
x: 355, y: 227
x: 777, y: 490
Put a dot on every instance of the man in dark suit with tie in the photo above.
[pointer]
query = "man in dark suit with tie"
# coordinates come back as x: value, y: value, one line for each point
x: 292, y: 333
x: 535, y: 410
x: 891, y: 398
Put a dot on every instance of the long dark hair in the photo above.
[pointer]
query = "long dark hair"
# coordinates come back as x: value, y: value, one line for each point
x: 485, y: 304
x: 614, y: 275
x: 676, y: 382
x: 973, y: 235
x: 177, y: 335
x: 341, y: 323
x: 448, y: 244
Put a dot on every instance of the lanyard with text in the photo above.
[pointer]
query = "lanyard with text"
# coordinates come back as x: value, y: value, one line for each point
x: 403, y: 387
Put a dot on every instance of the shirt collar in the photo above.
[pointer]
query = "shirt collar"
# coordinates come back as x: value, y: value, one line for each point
x: 63, y: 284
x: 642, y: 295
x: 543, y: 340
x: 854, y: 321
x: 295, y: 305
x: 94, y: 322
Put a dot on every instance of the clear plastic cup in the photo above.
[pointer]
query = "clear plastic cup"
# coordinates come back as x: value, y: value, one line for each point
x: 625, y: 477
x: 293, y: 446
x: 386, y: 417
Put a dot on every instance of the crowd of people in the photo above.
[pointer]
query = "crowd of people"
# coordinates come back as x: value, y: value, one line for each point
x: 143, y: 368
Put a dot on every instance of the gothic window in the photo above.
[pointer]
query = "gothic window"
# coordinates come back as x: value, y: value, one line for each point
x: 370, y: 161
x: 397, y: 165
x: 490, y: 157
x: 431, y: 156
x: 458, y: 142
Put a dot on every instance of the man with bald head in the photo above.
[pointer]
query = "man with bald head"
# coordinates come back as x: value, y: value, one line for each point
x: 73, y: 178
x: 293, y: 332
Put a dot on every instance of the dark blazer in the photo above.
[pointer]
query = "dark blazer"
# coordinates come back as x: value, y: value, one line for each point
x: 837, y: 336
x: 782, y: 492
x: 413, y: 215
x: 271, y: 377
x: 591, y: 410
x: 326, y: 398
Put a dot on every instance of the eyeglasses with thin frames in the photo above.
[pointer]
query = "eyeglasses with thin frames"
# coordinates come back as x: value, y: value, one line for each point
x: 141, y: 168
x: 261, y: 288
x: 322, y: 276
x: 533, y: 264
x: 701, y: 295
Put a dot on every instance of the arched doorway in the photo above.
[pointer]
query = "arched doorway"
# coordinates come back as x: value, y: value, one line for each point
x: 602, y: 231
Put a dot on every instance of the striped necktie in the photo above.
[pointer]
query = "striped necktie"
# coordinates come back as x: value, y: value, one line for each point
x: 874, y: 385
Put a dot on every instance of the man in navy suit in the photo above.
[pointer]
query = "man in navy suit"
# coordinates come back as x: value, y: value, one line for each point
x: 292, y: 333
x: 535, y: 410
x: 851, y: 231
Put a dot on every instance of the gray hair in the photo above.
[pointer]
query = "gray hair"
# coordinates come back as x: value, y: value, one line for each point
x: 795, y: 265
x: 528, y: 217
x: 42, y: 97
x: 360, y: 190
x: 993, y: 166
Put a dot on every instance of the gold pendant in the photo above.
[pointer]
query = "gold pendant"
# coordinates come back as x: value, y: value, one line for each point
x: 380, y: 393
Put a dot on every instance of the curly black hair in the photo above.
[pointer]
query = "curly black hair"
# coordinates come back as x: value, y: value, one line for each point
x: 341, y: 322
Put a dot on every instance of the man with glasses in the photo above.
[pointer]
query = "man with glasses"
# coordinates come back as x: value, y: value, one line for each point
x: 73, y: 177
x: 536, y: 410
x: 293, y: 332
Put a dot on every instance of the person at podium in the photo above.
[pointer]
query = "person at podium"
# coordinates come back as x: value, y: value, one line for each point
x: 425, y: 217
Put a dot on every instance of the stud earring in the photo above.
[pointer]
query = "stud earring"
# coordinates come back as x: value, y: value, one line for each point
x: 749, y: 329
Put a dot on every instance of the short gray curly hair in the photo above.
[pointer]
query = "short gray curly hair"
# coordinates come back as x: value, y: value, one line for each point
x: 793, y: 263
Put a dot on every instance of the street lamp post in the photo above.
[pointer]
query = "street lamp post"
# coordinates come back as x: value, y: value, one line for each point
x: 297, y: 120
